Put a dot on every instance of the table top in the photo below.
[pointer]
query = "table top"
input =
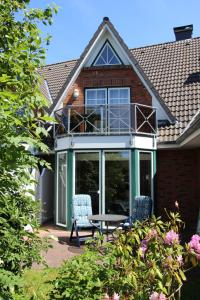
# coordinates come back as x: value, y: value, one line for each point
x: 107, y: 218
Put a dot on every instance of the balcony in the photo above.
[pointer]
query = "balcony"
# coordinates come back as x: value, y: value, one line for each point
x: 117, y: 119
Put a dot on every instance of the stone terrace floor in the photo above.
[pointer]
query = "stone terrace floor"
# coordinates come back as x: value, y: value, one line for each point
x: 61, y: 249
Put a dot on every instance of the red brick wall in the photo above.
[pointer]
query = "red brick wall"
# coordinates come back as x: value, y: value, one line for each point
x: 118, y: 76
x: 178, y: 179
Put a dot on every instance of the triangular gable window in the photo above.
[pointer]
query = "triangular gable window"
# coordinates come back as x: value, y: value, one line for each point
x: 107, y: 56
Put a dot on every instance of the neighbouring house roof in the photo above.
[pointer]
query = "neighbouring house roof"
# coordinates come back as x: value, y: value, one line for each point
x: 172, y: 69
x: 56, y: 75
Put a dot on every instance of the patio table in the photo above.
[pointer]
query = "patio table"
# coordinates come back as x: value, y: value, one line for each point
x: 107, y: 218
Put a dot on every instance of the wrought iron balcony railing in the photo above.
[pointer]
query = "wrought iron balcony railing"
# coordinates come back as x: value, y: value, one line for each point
x: 106, y: 120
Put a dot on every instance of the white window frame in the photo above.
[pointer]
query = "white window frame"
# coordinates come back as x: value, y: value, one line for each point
x: 107, y: 93
x: 95, y: 89
x: 57, y: 185
x: 100, y: 53
x: 152, y: 173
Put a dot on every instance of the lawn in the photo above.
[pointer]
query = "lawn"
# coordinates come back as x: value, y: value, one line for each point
x: 37, y: 283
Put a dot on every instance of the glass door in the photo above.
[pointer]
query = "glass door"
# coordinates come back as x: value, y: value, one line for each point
x: 145, y: 176
x: 61, y: 196
x: 119, y: 109
x: 87, y: 177
x: 116, y: 185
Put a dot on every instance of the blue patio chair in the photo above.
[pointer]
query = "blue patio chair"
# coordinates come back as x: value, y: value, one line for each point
x: 142, y: 210
x: 81, y: 209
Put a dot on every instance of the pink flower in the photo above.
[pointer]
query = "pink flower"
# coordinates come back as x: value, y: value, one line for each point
x: 152, y: 233
x: 194, y: 245
x: 180, y: 259
x: 156, y: 296
x: 115, y: 297
x: 171, y: 237
x: 176, y: 204
x: 28, y: 228
x: 168, y: 261
x: 143, y: 248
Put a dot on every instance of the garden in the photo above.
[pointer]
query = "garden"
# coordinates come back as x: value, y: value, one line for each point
x: 147, y: 262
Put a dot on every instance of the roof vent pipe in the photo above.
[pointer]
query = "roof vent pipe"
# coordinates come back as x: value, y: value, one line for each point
x: 105, y: 19
x: 183, y: 32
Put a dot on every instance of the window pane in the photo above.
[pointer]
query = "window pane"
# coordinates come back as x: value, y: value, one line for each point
x: 87, y: 177
x: 117, y: 182
x: 101, y: 94
x: 123, y: 93
x: 104, y: 55
x: 91, y: 94
x: 115, y: 61
x: 114, y: 93
x: 110, y: 54
x: 95, y: 96
x: 62, y: 188
x: 100, y: 62
x: 145, y: 174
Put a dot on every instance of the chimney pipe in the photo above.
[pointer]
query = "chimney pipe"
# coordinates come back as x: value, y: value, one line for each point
x: 183, y: 32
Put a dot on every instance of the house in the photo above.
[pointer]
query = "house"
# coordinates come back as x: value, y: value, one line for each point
x: 128, y: 124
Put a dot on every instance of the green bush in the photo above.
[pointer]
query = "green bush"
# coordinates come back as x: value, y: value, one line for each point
x: 145, y: 262
x: 9, y: 285
x: 80, y: 278
x: 21, y: 132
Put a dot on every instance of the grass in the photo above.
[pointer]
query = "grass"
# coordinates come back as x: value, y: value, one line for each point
x: 37, y: 284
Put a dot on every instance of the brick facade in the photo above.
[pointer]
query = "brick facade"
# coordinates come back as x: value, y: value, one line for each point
x: 178, y: 179
x: 118, y: 76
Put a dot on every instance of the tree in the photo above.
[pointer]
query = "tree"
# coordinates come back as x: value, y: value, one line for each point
x: 21, y: 129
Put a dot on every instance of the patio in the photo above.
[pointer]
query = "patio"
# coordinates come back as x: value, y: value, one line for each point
x: 61, y: 249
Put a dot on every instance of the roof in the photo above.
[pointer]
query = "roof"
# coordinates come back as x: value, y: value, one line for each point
x: 56, y: 75
x: 172, y: 68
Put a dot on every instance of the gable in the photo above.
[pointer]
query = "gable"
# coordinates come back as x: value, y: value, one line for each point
x: 107, y: 31
x: 106, y: 38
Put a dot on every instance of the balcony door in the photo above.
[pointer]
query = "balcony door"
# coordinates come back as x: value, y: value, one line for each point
x: 104, y: 175
x: 87, y: 177
x: 108, y: 109
x: 116, y: 182
x: 119, y: 109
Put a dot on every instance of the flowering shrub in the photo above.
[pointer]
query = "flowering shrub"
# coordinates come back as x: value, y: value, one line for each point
x: 146, y: 262
x: 194, y: 246
x: 156, y: 296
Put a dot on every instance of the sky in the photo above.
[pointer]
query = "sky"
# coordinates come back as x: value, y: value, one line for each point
x: 139, y: 22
